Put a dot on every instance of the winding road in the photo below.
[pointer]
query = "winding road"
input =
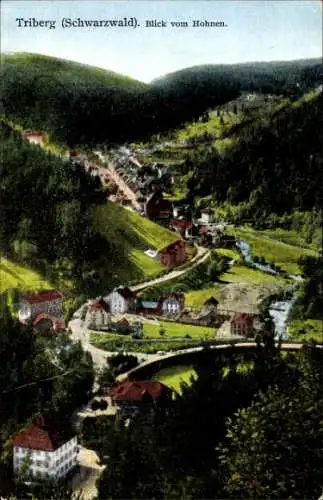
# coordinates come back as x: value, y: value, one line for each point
x: 80, y: 331
x: 202, y: 255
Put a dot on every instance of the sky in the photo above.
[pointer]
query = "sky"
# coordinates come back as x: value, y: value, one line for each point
x: 255, y: 30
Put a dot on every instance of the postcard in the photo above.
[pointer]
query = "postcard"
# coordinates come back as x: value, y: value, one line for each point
x: 161, y: 249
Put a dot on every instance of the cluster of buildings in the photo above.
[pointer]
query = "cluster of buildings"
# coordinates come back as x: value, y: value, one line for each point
x: 48, y: 451
x: 170, y: 305
x: 123, y: 300
x: 44, y: 310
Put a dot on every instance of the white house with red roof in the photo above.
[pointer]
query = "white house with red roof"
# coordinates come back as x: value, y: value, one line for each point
x: 45, y: 307
x: 43, y: 451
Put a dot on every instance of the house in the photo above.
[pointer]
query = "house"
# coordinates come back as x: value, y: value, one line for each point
x: 98, y: 313
x: 172, y: 302
x: 134, y: 396
x: 242, y: 325
x: 121, y: 300
x: 181, y: 226
x: 43, y: 309
x: 173, y: 254
x: 207, y: 215
x: 158, y: 209
x: 208, y: 315
x: 44, y: 451
x: 211, y: 304
x: 147, y: 307
x: 35, y: 137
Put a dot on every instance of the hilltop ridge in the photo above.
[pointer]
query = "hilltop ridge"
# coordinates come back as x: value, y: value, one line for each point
x: 80, y: 104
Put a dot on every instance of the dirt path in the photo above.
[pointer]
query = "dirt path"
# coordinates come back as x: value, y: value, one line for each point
x: 84, y: 483
x: 242, y: 297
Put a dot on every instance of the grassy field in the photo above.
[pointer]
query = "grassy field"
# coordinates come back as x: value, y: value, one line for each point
x: 231, y: 254
x: 242, y: 274
x: 282, y: 254
x: 14, y: 275
x: 288, y: 236
x: 306, y: 330
x: 236, y: 274
x: 215, y: 125
x: 196, y: 298
x: 174, y: 376
x: 177, y: 330
x: 134, y: 235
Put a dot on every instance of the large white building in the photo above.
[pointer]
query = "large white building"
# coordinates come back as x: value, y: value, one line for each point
x: 43, y: 452
x: 121, y: 301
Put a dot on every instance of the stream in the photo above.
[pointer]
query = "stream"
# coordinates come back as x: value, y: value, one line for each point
x: 279, y: 310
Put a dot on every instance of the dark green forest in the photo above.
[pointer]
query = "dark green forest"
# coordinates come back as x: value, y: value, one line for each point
x: 49, y: 375
x: 231, y: 434
x: 46, y: 211
x: 274, y: 166
x: 309, y: 303
x: 79, y: 104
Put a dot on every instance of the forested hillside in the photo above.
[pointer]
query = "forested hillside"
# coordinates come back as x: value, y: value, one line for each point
x: 279, y: 77
x: 46, y: 211
x: 81, y: 104
x: 274, y: 164
x: 55, y: 219
x: 53, y: 375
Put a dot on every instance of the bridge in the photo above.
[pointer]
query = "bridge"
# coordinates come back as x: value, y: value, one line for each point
x: 188, y: 356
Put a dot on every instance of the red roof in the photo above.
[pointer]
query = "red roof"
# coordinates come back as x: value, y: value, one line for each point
x: 204, y: 229
x: 39, y: 436
x: 34, y: 134
x: 43, y: 296
x: 126, y: 293
x: 172, y: 246
x: 42, y: 316
x: 242, y: 319
x: 181, y: 223
x: 98, y: 304
x: 57, y: 323
x: 133, y: 390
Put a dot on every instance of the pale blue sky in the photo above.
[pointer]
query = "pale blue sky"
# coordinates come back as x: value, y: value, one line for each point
x: 257, y: 31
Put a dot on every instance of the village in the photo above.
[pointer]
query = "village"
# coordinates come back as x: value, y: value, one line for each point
x: 124, y: 311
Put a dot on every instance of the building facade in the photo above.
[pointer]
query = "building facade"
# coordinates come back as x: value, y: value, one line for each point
x: 173, y: 254
x: 42, y: 452
x: 173, y: 302
x: 242, y: 325
x: 121, y: 301
x: 157, y: 208
x: 42, y: 306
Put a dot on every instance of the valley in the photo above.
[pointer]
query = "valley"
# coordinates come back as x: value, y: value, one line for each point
x: 160, y: 265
